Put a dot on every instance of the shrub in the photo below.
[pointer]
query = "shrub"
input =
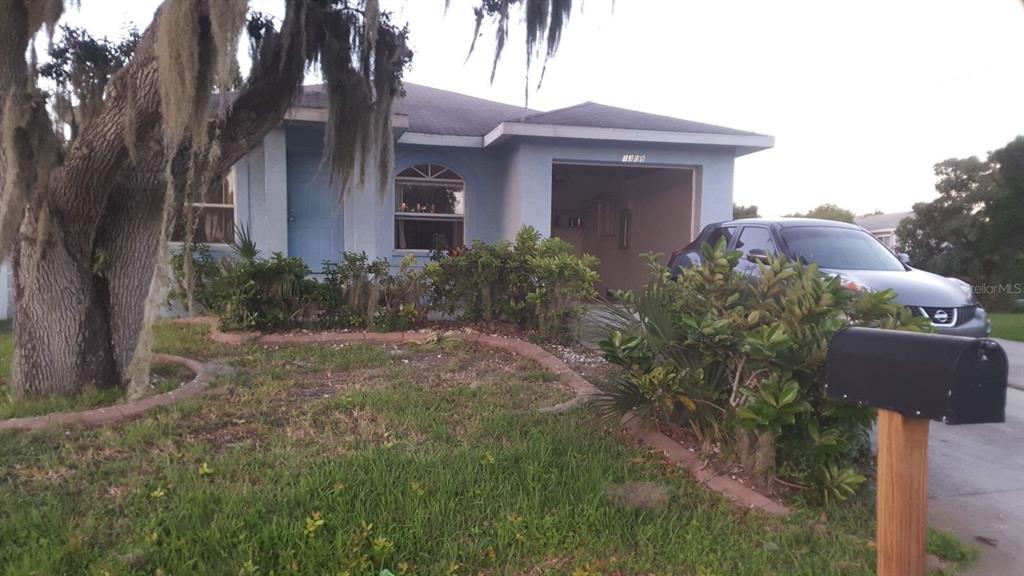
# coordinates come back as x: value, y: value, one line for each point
x: 266, y: 294
x: 356, y: 292
x: 535, y: 282
x: 741, y: 361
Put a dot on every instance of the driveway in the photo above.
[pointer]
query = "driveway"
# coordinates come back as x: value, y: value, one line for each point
x: 1015, y: 356
x: 976, y: 485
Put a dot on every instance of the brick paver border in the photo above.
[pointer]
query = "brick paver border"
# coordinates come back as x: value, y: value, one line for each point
x: 119, y: 412
x: 740, y: 495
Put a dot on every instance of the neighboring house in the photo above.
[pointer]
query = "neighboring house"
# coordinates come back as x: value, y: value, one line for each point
x: 613, y: 182
x: 883, y: 226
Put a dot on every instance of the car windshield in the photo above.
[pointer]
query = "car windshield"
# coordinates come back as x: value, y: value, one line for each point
x: 839, y: 248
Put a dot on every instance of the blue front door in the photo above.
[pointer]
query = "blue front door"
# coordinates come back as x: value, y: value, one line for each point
x: 314, y: 213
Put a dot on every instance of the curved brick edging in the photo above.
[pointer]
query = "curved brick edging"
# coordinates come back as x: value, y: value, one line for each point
x: 119, y: 412
x: 739, y: 494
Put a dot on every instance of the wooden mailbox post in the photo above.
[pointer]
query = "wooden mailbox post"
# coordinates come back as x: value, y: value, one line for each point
x: 913, y: 378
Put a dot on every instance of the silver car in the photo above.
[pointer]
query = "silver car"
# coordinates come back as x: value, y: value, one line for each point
x: 856, y: 257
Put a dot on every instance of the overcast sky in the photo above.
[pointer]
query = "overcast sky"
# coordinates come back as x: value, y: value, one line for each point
x: 862, y: 97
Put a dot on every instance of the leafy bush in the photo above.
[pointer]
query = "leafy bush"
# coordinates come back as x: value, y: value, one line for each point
x: 263, y: 294
x: 356, y: 292
x: 247, y: 292
x: 535, y: 282
x: 741, y: 361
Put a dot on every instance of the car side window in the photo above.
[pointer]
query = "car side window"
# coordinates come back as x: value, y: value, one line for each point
x: 752, y: 238
x: 718, y: 233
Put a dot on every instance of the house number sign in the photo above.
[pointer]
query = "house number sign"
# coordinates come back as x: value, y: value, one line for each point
x: 634, y: 158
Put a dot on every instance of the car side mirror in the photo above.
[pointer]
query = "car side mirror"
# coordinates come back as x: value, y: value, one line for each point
x: 904, y: 258
x: 758, y: 256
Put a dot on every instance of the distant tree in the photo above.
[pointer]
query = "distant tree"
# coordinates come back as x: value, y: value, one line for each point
x: 973, y: 229
x: 741, y: 211
x: 875, y: 213
x: 826, y: 212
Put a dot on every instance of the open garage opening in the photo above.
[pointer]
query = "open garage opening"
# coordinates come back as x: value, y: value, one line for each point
x: 618, y: 212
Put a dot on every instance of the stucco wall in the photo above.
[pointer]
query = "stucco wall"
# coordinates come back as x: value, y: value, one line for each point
x: 261, y: 193
x: 508, y: 185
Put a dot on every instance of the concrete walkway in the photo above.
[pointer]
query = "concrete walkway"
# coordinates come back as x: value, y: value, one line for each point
x: 1015, y: 356
x: 976, y: 486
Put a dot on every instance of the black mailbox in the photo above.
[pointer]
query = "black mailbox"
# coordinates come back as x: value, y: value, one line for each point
x: 949, y: 378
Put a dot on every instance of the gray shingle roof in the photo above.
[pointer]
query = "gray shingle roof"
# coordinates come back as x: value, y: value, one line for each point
x: 441, y: 112
x: 596, y: 115
x: 436, y: 111
x: 881, y: 221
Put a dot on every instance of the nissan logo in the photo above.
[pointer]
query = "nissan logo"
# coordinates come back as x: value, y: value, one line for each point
x: 940, y: 316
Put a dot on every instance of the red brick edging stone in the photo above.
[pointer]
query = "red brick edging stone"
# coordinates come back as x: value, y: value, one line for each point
x: 119, y: 412
x: 739, y: 494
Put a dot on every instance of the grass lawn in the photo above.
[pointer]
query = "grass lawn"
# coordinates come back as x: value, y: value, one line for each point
x: 354, y: 459
x: 163, y: 377
x: 1008, y: 325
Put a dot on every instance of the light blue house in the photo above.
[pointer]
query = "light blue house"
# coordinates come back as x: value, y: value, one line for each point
x: 615, y: 183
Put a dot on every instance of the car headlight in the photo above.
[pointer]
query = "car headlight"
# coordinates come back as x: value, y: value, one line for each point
x: 852, y: 285
x: 966, y: 288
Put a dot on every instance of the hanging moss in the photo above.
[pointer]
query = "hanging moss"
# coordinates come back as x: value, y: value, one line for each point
x: 543, y: 18
x: 32, y: 150
x: 226, y: 20
x: 361, y: 60
x: 178, y: 46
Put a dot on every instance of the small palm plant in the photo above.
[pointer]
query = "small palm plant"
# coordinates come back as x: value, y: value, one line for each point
x: 243, y: 245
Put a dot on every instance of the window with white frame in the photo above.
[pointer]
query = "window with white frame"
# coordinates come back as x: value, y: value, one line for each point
x: 213, y: 216
x: 429, y: 208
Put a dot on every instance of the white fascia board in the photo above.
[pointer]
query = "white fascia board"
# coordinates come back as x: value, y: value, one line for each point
x: 507, y: 129
x: 441, y: 140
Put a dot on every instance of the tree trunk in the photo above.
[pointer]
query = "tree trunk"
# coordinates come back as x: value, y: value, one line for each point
x: 85, y: 254
x: 90, y: 235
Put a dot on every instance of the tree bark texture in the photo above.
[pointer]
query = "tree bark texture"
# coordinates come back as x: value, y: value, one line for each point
x: 88, y: 245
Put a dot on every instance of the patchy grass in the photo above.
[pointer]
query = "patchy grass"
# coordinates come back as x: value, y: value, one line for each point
x: 350, y: 459
x: 950, y: 549
x: 1008, y: 325
x: 164, y: 377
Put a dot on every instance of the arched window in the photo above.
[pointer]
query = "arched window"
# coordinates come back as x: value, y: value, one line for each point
x: 430, y: 202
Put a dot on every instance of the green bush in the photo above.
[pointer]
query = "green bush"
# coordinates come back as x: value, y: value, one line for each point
x: 535, y: 282
x: 249, y: 293
x: 269, y: 294
x: 741, y: 361
x: 356, y: 292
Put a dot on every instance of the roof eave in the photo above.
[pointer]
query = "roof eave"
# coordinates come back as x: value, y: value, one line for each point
x: 742, y: 143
